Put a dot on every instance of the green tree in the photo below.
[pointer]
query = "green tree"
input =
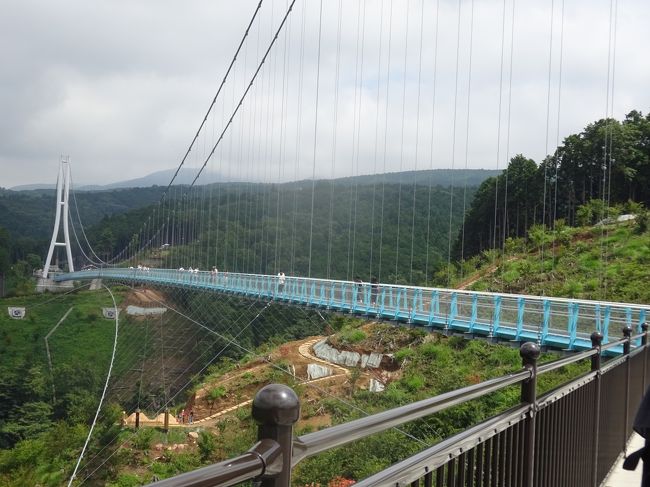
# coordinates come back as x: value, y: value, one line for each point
x: 206, y: 444
x: 28, y: 421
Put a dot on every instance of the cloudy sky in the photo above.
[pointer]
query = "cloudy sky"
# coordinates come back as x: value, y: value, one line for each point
x: 122, y: 86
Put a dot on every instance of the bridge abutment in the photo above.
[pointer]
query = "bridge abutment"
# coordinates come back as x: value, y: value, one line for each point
x: 47, y: 284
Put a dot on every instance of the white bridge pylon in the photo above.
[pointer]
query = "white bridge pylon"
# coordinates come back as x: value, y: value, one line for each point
x: 62, y: 197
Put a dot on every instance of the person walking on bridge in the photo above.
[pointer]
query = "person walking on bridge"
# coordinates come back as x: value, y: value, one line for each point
x: 281, y: 281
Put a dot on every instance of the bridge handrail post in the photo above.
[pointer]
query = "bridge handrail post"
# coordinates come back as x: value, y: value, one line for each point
x: 276, y: 409
x: 529, y: 353
x: 596, y: 342
x: 644, y: 344
x: 627, y: 333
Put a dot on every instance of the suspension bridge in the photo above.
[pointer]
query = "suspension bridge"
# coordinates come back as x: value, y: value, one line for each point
x: 281, y: 114
x: 557, y: 323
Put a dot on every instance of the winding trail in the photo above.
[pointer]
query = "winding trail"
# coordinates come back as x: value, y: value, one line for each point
x: 304, y: 349
x: 491, y: 269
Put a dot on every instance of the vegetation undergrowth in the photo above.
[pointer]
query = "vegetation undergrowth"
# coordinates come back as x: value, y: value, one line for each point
x: 605, y: 262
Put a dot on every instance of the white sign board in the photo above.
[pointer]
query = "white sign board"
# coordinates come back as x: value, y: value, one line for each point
x: 109, y: 313
x: 16, y: 313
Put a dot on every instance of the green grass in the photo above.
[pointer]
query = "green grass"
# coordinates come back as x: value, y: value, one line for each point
x: 84, y: 336
x: 601, y: 264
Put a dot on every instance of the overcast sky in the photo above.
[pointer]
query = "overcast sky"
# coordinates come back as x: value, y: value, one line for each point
x: 121, y: 87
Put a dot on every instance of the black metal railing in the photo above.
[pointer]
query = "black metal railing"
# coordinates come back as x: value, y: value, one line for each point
x: 569, y: 436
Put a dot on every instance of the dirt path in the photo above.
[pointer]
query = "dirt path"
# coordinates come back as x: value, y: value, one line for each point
x: 297, y: 353
x: 491, y: 269
x: 476, y: 277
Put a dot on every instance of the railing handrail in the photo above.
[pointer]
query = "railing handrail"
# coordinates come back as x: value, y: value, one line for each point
x: 573, y: 358
x: 253, y: 463
x: 613, y: 344
x: 403, y: 472
x: 334, y: 436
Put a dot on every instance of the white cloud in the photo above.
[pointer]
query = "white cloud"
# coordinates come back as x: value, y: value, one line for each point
x: 122, y: 86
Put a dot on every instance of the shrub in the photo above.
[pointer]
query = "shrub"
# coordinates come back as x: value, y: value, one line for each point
x: 349, y: 335
x: 414, y: 382
x: 642, y: 220
x: 206, y: 444
x: 435, y: 352
x: 633, y: 207
x: 457, y: 342
x: 126, y: 480
x: 562, y: 233
x: 514, y: 245
x: 538, y: 236
x: 353, y: 378
x: 510, y: 276
x: 404, y: 354
x: 142, y: 440
x: 572, y: 288
x: 214, y: 395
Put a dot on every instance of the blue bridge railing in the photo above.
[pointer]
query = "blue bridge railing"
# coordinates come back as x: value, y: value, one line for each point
x: 553, y: 322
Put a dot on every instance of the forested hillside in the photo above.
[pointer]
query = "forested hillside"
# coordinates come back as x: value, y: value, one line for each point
x: 47, y: 403
x: 608, y: 161
x: 250, y: 223
x: 27, y: 219
x: 30, y: 214
x: 395, y: 232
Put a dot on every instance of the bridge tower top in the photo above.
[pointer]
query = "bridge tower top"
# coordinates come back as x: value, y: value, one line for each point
x: 62, y: 211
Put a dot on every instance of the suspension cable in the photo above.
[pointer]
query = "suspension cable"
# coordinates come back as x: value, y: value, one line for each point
x: 223, y: 82
x: 431, y: 147
x: 101, y: 400
x: 250, y: 84
x: 453, y: 147
x: 467, y: 126
x: 313, y: 177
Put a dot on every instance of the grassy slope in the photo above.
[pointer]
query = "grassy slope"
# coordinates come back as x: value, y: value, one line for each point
x: 84, y: 336
x: 80, y: 350
x: 589, y: 263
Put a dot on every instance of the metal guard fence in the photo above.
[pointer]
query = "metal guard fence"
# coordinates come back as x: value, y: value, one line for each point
x: 569, y: 436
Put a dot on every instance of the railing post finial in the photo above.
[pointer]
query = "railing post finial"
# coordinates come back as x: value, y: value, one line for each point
x: 596, y: 342
x: 276, y: 409
x: 627, y: 333
x: 529, y: 353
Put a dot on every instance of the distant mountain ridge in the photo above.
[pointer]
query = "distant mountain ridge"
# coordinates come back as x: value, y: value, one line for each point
x: 159, y: 178
x: 436, y: 177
